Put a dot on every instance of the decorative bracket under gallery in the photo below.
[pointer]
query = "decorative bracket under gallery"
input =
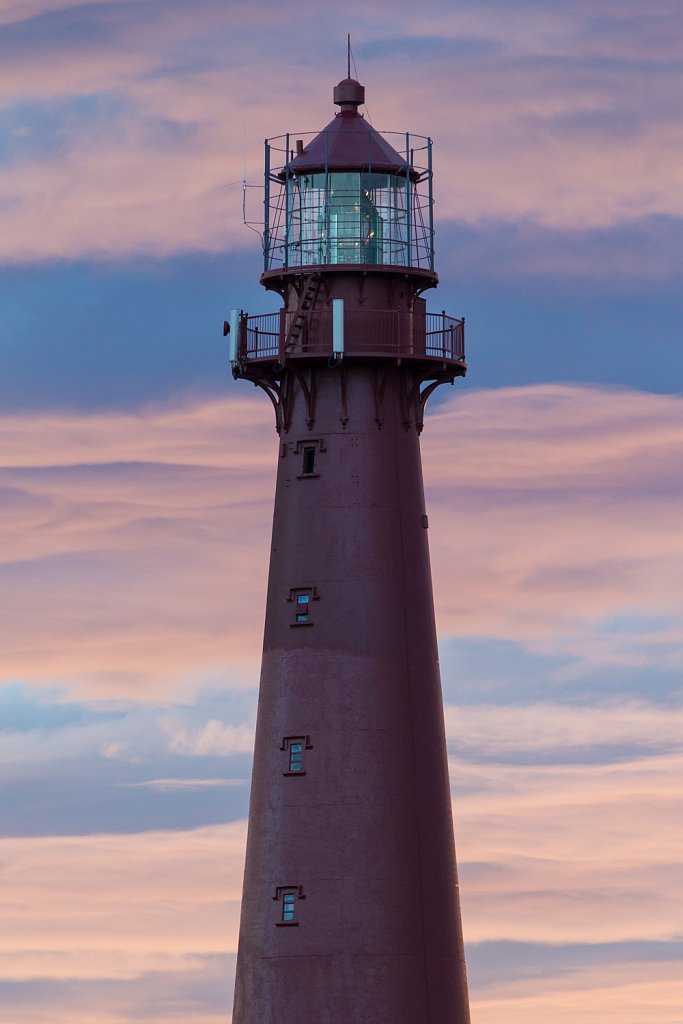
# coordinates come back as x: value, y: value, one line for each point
x: 418, y: 388
x: 268, y: 381
x: 280, y: 385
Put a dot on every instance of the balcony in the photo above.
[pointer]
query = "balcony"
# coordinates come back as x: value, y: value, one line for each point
x: 392, y: 333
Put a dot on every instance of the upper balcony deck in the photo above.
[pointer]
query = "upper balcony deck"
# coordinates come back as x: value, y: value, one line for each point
x: 375, y: 334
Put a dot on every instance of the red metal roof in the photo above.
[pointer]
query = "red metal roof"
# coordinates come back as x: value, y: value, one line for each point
x: 348, y: 142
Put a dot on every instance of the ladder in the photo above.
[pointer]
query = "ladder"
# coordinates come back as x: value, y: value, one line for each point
x: 306, y: 302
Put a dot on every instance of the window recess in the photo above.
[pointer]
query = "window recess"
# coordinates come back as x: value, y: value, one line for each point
x: 295, y: 747
x: 308, y: 451
x: 302, y: 598
x: 288, y: 896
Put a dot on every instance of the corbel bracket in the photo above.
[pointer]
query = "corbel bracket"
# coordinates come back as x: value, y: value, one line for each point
x: 270, y: 382
x: 418, y: 389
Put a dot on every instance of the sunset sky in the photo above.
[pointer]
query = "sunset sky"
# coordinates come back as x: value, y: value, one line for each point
x: 136, y: 486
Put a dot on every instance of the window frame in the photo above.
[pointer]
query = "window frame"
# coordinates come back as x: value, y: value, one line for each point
x: 281, y: 891
x: 285, y: 746
x: 300, y: 447
x: 302, y: 597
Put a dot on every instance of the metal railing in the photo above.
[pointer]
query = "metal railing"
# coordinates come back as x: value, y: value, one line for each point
x: 445, y: 336
x: 260, y: 336
x: 391, y: 332
x: 297, y: 227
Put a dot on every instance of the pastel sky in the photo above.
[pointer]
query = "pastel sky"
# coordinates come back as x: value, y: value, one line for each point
x: 136, y: 486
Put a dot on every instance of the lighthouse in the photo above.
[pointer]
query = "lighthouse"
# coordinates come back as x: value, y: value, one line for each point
x: 350, y: 907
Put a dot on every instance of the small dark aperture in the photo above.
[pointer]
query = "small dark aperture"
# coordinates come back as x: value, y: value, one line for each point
x: 309, y: 460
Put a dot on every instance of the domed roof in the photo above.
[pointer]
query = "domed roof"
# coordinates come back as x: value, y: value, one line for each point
x: 348, y: 142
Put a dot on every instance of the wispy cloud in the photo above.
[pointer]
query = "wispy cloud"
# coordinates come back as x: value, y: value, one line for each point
x: 214, y: 738
x: 554, y: 853
x: 139, y: 544
x: 628, y: 993
x: 553, y: 530
x: 108, y: 906
x: 554, y: 116
x: 168, y: 785
x: 491, y: 730
x: 550, y: 855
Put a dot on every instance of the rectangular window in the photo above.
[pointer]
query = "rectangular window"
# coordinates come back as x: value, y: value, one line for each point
x: 302, y: 603
x: 294, y: 747
x: 309, y: 461
x: 301, y: 598
x: 288, y: 896
x: 288, y: 901
x: 308, y: 448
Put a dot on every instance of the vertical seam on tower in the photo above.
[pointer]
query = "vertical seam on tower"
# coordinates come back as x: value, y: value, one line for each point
x: 406, y: 625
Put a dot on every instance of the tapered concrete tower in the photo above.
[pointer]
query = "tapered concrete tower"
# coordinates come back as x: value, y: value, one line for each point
x: 350, y: 911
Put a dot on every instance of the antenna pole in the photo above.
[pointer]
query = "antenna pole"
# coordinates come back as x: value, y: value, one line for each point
x: 348, y: 55
x: 244, y: 174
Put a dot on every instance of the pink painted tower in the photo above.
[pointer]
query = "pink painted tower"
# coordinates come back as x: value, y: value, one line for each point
x: 350, y: 910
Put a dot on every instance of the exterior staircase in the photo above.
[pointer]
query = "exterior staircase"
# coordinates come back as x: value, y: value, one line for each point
x: 306, y: 303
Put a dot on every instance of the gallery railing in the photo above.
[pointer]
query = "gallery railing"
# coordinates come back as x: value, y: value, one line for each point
x: 391, y: 332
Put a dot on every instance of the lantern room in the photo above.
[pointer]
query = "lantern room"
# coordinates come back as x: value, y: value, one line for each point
x: 347, y: 196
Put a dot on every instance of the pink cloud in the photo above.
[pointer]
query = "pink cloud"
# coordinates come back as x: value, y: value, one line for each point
x: 215, y: 738
x: 523, y: 136
x: 500, y: 730
x: 627, y: 993
x: 21, y: 10
x: 119, y: 906
x: 549, y: 855
x: 135, y: 542
x: 539, y: 522
x: 554, y: 853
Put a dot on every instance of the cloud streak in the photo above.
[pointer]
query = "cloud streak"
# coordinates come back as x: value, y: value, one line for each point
x: 491, y: 730
x: 169, y: 785
x: 138, y: 545
x: 550, y: 116
x: 549, y: 855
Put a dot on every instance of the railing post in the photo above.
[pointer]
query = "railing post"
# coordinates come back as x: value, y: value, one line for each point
x: 243, y: 318
x: 409, y: 207
x: 431, y: 204
x: 286, y: 259
x: 266, y: 210
x: 281, y: 335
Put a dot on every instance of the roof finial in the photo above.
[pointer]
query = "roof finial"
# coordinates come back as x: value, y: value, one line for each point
x: 348, y: 55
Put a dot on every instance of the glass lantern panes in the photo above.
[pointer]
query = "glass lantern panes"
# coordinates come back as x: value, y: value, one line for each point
x: 325, y: 217
x: 345, y: 217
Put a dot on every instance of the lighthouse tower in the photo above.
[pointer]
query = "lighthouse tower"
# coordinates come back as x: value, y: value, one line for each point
x: 350, y: 909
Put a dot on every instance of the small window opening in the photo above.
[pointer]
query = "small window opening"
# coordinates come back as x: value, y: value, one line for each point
x: 288, y: 895
x: 296, y: 751
x: 308, y: 449
x: 288, y: 901
x: 309, y: 461
x: 301, y: 598
x: 302, y: 607
x: 294, y: 747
